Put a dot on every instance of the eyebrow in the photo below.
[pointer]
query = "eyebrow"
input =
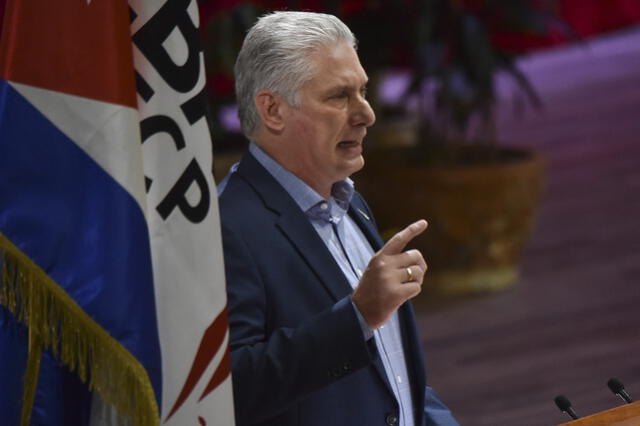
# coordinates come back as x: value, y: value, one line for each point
x: 347, y: 87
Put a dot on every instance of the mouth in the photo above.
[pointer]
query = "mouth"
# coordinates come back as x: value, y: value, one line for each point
x: 349, y: 144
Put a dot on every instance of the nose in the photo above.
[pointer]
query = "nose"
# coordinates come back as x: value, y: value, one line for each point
x: 363, y: 114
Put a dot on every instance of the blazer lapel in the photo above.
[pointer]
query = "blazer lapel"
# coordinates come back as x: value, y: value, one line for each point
x: 362, y: 217
x: 296, y: 227
x: 313, y: 250
x: 414, y: 357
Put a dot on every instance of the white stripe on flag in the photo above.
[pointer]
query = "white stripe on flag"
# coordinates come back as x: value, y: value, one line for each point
x: 108, y: 133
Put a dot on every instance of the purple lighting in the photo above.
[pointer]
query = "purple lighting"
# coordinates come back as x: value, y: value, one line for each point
x: 229, y: 118
x: 393, y: 87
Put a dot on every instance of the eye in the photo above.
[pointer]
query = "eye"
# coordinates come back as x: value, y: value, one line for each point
x: 363, y: 91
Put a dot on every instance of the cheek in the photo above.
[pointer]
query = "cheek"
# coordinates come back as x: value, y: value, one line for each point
x: 331, y: 127
x: 304, y: 134
x: 321, y: 131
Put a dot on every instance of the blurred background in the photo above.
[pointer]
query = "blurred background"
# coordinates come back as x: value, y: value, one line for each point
x: 512, y: 127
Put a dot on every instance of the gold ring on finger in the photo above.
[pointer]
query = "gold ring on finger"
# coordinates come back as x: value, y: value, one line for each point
x: 409, y: 274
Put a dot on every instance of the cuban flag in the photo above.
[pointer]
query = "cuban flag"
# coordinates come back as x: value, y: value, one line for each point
x: 112, y: 293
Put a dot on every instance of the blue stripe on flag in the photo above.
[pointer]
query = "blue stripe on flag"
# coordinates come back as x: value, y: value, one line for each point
x: 72, y: 219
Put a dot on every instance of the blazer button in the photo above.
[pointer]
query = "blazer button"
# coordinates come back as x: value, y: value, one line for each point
x: 391, y: 419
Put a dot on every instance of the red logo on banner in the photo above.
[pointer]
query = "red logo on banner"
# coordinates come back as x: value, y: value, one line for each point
x: 209, y: 346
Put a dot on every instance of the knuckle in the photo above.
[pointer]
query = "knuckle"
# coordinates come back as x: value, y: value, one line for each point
x: 376, y: 262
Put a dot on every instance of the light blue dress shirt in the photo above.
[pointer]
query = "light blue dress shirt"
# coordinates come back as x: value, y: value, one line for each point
x: 352, y: 252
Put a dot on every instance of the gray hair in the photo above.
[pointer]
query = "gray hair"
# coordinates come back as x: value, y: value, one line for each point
x: 275, y: 57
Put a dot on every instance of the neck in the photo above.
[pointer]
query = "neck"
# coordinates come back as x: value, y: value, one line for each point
x: 290, y: 164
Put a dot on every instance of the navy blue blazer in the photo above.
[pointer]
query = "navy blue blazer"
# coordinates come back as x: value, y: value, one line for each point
x: 298, y: 354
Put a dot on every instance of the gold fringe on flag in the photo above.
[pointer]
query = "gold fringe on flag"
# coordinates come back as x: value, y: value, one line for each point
x: 56, y: 322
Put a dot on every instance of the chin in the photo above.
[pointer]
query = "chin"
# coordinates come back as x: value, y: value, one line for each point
x: 353, y: 166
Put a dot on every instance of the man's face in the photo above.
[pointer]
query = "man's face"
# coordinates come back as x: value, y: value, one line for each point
x: 324, y: 134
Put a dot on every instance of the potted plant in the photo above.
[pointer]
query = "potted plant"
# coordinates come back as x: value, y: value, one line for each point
x: 479, y: 196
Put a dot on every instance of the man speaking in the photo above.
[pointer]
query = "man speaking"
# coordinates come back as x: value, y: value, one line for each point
x: 321, y: 330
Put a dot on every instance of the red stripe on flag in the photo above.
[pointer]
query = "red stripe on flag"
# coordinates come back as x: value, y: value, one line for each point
x: 70, y: 46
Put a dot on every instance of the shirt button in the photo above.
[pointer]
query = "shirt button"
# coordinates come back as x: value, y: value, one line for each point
x: 391, y: 419
x: 324, y: 206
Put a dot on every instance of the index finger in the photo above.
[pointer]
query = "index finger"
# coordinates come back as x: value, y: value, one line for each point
x: 398, y: 242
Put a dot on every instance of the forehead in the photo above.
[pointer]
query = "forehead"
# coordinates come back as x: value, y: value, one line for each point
x: 336, y: 65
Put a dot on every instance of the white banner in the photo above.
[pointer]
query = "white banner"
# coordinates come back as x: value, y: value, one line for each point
x: 182, y: 213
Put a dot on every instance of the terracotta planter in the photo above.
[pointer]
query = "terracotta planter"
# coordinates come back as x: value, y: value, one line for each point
x: 480, y: 216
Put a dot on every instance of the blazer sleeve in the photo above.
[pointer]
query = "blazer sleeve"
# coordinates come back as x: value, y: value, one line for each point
x: 436, y: 413
x: 273, y: 369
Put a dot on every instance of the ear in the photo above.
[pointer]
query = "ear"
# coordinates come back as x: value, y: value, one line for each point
x: 270, y: 108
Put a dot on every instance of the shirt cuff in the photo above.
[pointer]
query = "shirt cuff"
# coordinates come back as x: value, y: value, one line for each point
x: 366, y: 331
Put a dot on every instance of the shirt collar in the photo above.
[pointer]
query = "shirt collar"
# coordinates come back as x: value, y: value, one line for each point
x: 306, y: 197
